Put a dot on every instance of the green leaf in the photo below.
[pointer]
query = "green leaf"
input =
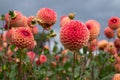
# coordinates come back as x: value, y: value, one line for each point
x: 51, y: 31
x: 12, y: 47
x: 12, y: 14
x: 55, y: 48
x: 2, y: 17
x: 85, y: 48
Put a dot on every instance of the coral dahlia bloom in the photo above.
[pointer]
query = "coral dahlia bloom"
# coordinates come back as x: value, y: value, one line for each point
x: 17, y: 21
x: 118, y: 33
x: 32, y: 46
x: 116, y: 77
x: 102, y: 44
x: 111, y: 48
x: 64, y: 20
x: 31, y: 21
x: 22, y: 37
x: 94, y: 28
x: 24, y: 22
x: 31, y: 55
x: 34, y: 30
x: 109, y: 33
x: 93, y: 45
x: 42, y: 59
x: 74, y: 35
x: 9, y: 34
x: 46, y: 17
x: 114, y: 22
x: 117, y: 43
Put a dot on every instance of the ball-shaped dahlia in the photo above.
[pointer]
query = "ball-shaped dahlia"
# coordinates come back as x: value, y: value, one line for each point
x: 74, y: 35
x: 9, y: 34
x: 34, y: 30
x: 32, y: 46
x: 111, y: 48
x: 64, y: 20
x: 109, y: 33
x: 31, y: 55
x: 42, y: 59
x: 118, y: 32
x: 114, y: 22
x: 16, y: 20
x: 117, y: 43
x: 117, y: 66
x: 24, y: 23
x: 92, y: 45
x: 31, y: 21
x: 94, y: 28
x: 22, y: 37
x: 102, y: 44
x: 116, y: 77
x: 46, y: 17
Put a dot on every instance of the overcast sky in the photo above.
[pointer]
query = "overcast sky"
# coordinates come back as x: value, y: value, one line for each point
x: 100, y: 10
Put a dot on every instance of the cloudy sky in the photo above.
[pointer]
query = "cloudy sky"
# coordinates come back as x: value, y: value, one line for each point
x: 100, y: 10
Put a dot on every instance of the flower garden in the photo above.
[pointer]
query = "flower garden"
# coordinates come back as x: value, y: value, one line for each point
x: 26, y: 52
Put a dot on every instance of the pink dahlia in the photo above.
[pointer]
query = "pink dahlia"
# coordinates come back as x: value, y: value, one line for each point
x: 74, y: 35
x: 34, y: 30
x: 46, y: 17
x: 24, y: 22
x: 9, y: 34
x: 31, y: 55
x: 16, y: 21
x: 110, y: 48
x: 32, y: 46
x: 109, y: 33
x: 114, y: 22
x: 31, y: 21
x: 42, y: 59
x: 22, y: 37
x: 92, y: 45
x: 118, y: 33
x: 116, y: 77
x: 94, y: 28
x: 117, y: 43
x: 64, y: 20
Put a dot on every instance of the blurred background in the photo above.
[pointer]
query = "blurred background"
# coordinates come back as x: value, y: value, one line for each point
x: 100, y: 10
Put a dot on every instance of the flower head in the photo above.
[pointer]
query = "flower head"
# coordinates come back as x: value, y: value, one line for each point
x: 102, y: 44
x: 74, y: 35
x: 17, y: 21
x: 118, y: 33
x: 64, y: 20
x: 22, y: 37
x: 31, y: 55
x: 46, y: 17
x: 42, y: 59
x: 114, y: 22
x: 94, y: 28
x: 116, y: 77
x: 109, y: 33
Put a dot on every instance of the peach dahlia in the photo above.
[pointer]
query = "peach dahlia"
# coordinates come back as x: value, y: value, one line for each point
x: 109, y: 33
x: 94, y: 28
x: 46, y: 17
x: 22, y: 37
x: 116, y: 77
x: 15, y: 21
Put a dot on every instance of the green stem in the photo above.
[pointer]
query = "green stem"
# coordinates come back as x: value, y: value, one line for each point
x: 82, y: 68
x: 30, y: 69
x: 20, y: 69
x: 92, y: 67
x: 73, y: 65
